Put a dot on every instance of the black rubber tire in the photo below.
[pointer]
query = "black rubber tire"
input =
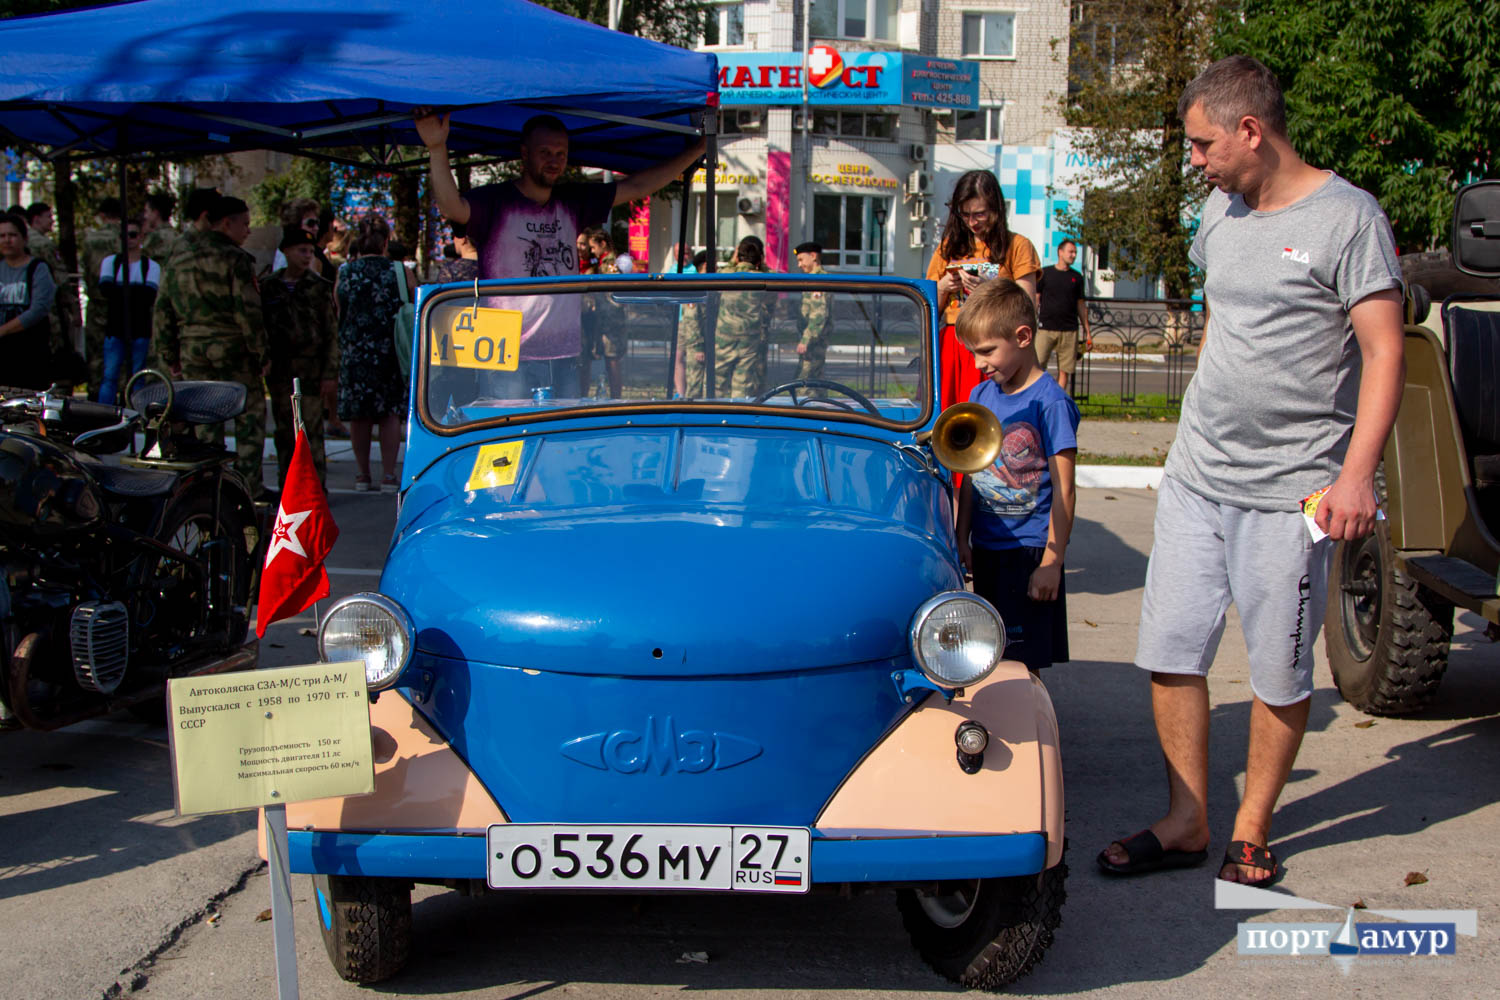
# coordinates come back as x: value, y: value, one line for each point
x: 1397, y: 670
x: 1004, y: 935
x: 196, y: 510
x: 1435, y: 271
x: 366, y: 925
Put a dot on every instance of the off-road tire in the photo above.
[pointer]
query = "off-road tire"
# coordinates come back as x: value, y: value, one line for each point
x: 366, y: 925
x: 1008, y: 930
x: 1399, y: 670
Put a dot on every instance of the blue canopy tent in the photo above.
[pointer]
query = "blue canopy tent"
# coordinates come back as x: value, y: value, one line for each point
x: 319, y: 76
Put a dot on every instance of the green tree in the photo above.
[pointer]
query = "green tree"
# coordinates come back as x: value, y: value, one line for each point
x: 1128, y: 63
x: 676, y: 22
x: 1400, y: 97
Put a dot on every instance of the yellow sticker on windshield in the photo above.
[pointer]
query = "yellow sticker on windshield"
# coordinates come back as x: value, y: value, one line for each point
x: 495, y: 465
x: 476, y: 337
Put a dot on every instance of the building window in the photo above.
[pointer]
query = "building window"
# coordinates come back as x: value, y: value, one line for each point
x: 989, y: 36
x: 845, y: 226
x: 725, y: 24
x: 980, y: 125
x: 727, y: 229
x: 853, y: 124
x: 855, y: 19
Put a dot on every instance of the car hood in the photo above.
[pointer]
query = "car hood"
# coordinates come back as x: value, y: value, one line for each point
x: 674, y: 553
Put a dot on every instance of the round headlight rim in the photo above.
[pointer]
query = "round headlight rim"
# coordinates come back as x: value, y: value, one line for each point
x: 391, y: 607
x: 925, y: 610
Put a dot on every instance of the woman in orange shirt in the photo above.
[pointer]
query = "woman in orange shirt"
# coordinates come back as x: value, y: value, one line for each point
x: 977, y: 245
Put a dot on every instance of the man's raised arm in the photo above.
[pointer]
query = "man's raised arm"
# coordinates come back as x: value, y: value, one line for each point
x: 433, y: 129
x: 645, y: 183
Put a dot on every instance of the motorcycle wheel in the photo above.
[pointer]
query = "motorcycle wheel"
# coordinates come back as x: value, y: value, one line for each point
x: 190, y: 524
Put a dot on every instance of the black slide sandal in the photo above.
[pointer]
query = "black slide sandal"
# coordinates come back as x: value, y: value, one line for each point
x: 1146, y: 854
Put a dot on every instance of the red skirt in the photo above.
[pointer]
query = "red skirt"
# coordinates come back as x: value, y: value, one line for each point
x: 957, y: 376
x: 957, y: 373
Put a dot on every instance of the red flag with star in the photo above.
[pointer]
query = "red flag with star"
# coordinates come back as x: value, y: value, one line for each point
x: 294, y: 576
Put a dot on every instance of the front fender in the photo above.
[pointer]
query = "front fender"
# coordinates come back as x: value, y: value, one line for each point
x: 911, y: 781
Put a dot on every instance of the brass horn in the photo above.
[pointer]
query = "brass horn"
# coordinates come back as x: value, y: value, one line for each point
x: 966, y: 437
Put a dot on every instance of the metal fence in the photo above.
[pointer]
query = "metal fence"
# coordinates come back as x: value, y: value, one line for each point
x: 1144, y: 353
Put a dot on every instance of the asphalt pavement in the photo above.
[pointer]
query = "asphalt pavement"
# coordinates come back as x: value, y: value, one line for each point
x: 110, y: 894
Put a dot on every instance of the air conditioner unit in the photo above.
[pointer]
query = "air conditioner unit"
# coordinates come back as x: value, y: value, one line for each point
x: 918, y: 238
x: 751, y: 206
x: 918, y: 152
x: 918, y: 182
x: 748, y: 121
x: 920, y: 210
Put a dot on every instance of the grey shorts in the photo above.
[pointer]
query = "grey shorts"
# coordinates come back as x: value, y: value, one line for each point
x: 1207, y: 554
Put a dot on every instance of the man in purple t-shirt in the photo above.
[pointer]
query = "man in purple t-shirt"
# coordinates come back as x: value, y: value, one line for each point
x: 529, y: 228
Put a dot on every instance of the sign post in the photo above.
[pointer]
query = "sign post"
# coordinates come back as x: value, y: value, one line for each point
x: 264, y: 739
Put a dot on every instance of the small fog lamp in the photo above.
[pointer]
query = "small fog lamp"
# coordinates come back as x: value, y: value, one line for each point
x: 971, y: 739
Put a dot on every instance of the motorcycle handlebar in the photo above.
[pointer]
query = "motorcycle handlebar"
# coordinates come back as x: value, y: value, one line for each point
x: 91, y: 412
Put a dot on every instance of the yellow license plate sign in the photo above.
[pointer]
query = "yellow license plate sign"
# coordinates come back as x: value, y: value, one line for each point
x: 476, y: 337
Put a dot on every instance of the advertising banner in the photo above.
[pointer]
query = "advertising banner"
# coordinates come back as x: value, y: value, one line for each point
x: 929, y: 82
x: 833, y: 77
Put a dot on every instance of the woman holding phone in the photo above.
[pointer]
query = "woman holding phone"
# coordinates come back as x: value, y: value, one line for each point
x: 977, y: 245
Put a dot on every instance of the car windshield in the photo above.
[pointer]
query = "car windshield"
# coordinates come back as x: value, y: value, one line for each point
x: 809, y: 347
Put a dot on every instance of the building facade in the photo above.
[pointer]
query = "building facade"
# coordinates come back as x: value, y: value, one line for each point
x: 854, y: 132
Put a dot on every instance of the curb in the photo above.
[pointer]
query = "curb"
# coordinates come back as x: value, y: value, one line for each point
x: 1119, y: 477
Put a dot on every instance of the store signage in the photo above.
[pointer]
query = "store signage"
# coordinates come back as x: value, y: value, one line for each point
x: 939, y: 83
x: 731, y: 174
x: 850, y: 170
x: 833, y: 77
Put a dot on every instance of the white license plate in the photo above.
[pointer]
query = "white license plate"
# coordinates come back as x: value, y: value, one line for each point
x: 588, y: 856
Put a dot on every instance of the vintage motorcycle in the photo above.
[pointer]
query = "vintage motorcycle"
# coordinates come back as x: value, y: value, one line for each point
x: 119, y: 571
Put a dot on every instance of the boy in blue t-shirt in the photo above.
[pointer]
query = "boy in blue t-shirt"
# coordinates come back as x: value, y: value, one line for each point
x: 1011, y: 534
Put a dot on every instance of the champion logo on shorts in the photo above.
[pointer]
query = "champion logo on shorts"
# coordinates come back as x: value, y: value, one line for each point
x: 1296, y: 256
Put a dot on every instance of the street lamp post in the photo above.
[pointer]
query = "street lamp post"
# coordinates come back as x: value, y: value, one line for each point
x: 881, y: 214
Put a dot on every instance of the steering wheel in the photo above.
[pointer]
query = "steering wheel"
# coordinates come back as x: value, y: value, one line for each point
x: 819, y: 383
x: 149, y: 409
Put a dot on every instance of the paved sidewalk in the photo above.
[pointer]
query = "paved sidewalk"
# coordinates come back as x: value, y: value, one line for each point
x: 1134, y: 438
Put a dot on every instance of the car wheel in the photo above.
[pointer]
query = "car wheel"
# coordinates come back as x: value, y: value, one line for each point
x: 1387, y: 637
x: 989, y: 932
x: 366, y: 925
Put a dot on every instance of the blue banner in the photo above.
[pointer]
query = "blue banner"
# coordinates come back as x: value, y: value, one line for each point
x: 929, y: 82
x: 847, y: 78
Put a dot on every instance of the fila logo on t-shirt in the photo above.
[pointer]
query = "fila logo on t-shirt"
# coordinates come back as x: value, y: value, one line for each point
x: 1297, y: 256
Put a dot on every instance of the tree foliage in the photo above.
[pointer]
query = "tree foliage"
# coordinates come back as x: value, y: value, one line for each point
x: 1400, y: 97
x: 676, y: 22
x: 1128, y: 63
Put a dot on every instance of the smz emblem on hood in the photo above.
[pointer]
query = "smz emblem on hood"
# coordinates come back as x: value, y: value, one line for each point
x: 662, y: 747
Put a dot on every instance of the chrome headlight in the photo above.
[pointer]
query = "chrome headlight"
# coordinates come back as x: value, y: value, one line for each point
x: 957, y: 638
x: 371, y: 628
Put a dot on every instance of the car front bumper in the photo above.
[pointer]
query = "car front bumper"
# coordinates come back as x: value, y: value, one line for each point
x: 834, y: 860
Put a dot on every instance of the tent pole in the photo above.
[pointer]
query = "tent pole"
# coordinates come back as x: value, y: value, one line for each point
x: 682, y: 224
x: 124, y: 258
x: 710, y: 317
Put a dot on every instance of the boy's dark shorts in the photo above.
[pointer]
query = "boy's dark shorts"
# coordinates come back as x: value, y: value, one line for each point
x: 1036, y: 632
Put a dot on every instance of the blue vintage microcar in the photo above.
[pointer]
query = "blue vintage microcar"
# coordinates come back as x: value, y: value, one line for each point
x: 688, y: 616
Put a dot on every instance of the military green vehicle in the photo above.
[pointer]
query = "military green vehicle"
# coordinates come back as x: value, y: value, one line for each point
x: 1393, y: 594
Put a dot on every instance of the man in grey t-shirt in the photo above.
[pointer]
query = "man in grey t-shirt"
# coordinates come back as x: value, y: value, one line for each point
x: 1297, y: 387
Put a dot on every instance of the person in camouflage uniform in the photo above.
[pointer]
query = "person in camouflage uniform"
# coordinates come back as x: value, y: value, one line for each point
x: 209, y: 326
x: 168, y: 241
x: 743, y: 325
x: 97, y: 244
x: 157, y: 227
x: 65, y: 320
x: 599, y: 317
x: 812, y: 348
x: 303, y: 333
